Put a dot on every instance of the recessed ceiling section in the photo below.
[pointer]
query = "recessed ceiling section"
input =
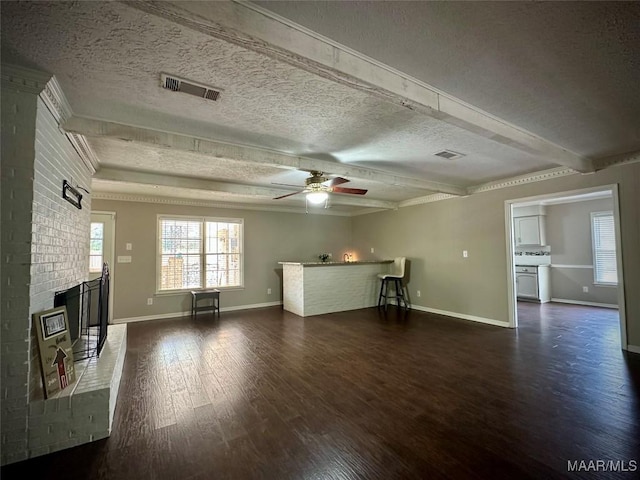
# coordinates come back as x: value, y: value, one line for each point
x: 165, y: 194
x: 135, y: 157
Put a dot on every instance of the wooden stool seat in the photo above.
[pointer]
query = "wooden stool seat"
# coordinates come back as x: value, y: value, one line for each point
x: 199, y: 295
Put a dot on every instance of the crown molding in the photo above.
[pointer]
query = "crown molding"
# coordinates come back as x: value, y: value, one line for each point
x: 436, y: 197
x: 55, y: 100
x: 522, y: 179
x: 125, y: 197
x: 23, y: 79
x: 613, y: 160
x: 57, y: 103
x: 86, y: 153
x: 366, y: 211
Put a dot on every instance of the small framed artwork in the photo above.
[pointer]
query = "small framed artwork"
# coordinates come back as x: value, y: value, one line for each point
x: 56, y: 354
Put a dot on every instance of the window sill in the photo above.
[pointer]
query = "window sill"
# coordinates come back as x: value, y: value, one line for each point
x: 603, y: 284
x: 187, y: 291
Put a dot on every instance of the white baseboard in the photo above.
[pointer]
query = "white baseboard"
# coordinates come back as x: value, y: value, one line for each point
x: 463, y: 316
x: 588, y: 304
x: 633, y: 348
x: 161, y: 316
x: 248, y: 307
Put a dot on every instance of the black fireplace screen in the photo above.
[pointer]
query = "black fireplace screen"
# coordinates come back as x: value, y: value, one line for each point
x: 88, y: 313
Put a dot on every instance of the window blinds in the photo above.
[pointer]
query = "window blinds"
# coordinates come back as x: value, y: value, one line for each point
x: 604, y: 248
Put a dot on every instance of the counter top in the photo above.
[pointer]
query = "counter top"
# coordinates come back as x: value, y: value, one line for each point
x: 332, y: 264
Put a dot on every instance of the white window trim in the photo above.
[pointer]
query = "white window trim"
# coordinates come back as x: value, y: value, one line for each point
x: 593, y: 248
x: 203, y: 220
x: 96, y: 270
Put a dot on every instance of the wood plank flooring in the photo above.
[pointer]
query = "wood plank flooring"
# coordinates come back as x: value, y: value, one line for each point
x: 364, y: 394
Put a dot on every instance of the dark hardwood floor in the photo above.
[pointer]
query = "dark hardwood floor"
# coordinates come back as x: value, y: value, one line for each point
x: 266, y: 394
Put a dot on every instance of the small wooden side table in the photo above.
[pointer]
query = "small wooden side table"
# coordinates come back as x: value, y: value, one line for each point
x: 199, y: 295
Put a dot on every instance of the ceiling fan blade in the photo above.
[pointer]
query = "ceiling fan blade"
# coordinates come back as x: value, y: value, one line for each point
x: 353, y: 191
x: 288, y: 195
x: 335, y: 181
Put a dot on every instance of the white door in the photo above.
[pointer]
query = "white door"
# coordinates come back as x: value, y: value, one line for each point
x: 101, y: 249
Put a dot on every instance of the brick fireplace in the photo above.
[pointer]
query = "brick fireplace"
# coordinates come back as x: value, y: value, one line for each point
x: 45, y: 249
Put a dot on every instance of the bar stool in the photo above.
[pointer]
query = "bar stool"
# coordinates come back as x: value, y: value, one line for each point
x: 396, y: 276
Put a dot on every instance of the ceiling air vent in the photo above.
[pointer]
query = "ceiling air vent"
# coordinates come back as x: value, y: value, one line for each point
x: 449, y: 154
x: 177, y: 84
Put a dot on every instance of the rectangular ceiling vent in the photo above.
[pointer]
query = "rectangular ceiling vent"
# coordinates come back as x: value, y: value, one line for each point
x: 449, y: 154
x: 177, y: 84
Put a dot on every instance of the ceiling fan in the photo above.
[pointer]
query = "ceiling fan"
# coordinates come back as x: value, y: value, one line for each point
x: 318, y: 188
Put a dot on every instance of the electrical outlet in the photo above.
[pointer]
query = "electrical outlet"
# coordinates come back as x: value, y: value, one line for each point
x: 372, y: 250
x: 585, y: 289
x: 268, y: 291
x: 465, y: 254
x: 418, y: 293
x: 149, y: 301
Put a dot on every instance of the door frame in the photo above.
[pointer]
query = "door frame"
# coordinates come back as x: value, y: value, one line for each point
x: 511, y: 269
x: 113, y: 258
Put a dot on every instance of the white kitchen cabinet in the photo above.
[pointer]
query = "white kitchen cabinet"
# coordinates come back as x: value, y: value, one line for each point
x: 529, y: 230
x: 532, y: 283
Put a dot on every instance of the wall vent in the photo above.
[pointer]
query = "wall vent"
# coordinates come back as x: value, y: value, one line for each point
x: 449, y: 154
x: 177, y: 84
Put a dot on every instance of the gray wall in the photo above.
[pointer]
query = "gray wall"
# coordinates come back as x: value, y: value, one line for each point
x: 269, y: 237
x: 433, y: 236
x: 569, y: 236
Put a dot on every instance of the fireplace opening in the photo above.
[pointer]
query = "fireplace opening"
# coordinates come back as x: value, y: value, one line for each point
x: 88, y: 313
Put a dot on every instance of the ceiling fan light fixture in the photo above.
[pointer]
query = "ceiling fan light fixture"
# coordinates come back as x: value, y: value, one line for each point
x: 317, y: 197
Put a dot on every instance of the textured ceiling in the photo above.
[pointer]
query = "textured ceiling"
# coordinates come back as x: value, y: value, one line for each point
x: 567, y: 71
x: 108, y: 58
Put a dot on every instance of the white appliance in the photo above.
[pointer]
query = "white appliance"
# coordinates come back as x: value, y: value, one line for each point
x: 532, y: 283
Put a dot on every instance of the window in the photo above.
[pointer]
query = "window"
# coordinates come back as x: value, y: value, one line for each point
x: 199, y: 253
x: 604, y: 248
x: 96, y: 247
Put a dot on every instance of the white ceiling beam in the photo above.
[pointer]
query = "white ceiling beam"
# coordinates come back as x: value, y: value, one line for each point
x: 227, y: 151
x: 262, y: 31
x: 262, y: 194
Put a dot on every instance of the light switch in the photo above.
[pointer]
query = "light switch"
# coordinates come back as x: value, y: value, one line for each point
x: 465, y: 254
x: 124, y: 259
x: 128, y: 246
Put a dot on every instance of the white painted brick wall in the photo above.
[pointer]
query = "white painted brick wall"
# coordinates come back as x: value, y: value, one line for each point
x: 44, y: 249
x: 60, y: 232
x: 314, y: 290
x: 17, y: 154
x: 83, y: 412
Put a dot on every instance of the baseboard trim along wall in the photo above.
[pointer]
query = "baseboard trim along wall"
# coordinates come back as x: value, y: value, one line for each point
x: 633, y: 348
x: 463, y: 316
x: 162, y: 316
x: 588, y: 304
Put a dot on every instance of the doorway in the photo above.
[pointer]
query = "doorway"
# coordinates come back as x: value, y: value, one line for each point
x: 580, y: 278
x: 102, y: 249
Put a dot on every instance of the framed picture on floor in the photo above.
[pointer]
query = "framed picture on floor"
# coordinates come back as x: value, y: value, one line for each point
x: 54, y: 345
